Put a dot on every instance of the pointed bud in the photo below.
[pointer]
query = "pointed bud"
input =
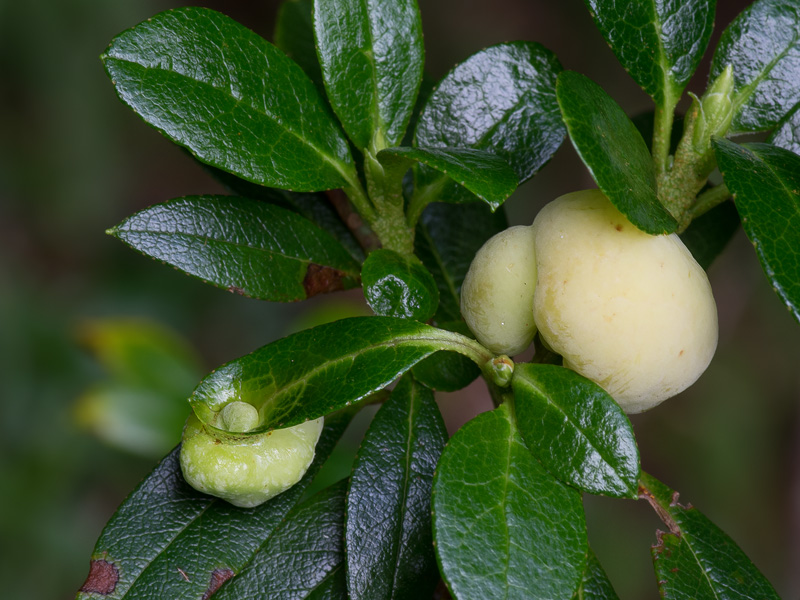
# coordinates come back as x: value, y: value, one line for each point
x: 715, y: 111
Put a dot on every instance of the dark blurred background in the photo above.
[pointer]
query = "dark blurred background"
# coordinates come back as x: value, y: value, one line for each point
x: 75, y: 161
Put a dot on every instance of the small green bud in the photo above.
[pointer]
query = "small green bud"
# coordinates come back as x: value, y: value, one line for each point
x: 715, y: 111
x: 239, y: 417
x: 500, y: 370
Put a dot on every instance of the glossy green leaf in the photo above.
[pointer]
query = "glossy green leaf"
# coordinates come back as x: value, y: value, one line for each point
x: 576, y: 430
x: 763, y: 46
x: 321, y: 370
x: 503, y: 526
x: 765, y: 181
x: 399, y: 286
x: 372, y: 56
x: 447, y: 371
x: 303, y: 558
x: 613, y: 151
x: 696, y: 560
x: 787, y: 132
x: 388, y: 524
x: 231, y: 98
x: 708, y: 234
x: 500, y: 99
x: 594, y: 583
x: 168, y: 540
x: 244, y: 246
x: 659, y: 42
x: 448, y: 236
x: 294, y: 34
x: 484, y: 174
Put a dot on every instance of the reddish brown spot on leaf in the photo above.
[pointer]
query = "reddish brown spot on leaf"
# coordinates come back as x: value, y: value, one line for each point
x: 218, y: 577
x: 319, y: 280
x: 102, y: 579
x: 236, y: 290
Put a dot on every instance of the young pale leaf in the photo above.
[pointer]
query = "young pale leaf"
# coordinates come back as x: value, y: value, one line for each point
x: 614, y: 152
x: 244, y: 246
x: 294, y: 34
x: 594, y: 584
x: 234, y: 101
x: 448, y: 236
x: 484, y: 174
x: 168, y: 540
x: 320, y: 370
x: 447, y: 371
x: 763, y: 46
x: 507, y: 91
x: 303, y: 558
x: 765, y: 181
x: 399, y: 286
x: 372, y: 56
x: 696, y: 560
x: 708, y: 234
x: 503, y: 526
x: 388, y: 524
x: 576, y: 430
x: 659, y: 43
x: 787, y: 133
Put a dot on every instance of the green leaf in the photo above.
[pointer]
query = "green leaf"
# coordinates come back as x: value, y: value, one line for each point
x: 168, y: 540
x: 765, y: 181
x: 594, y: 584
x: 447, y: 371
x: 576, y: 430
x: 708, y: 234
x: 503, y: 526
x: 763, y: 46
x: 500, y: 99
x: 372, y: 56
x: 659, y: 43
x: 234, y: 101
x: 388, y: 524
x: 245, y: 246
x: 303, y: 558
x: 613, y: 151
x: 484, y: 174
x: 321, y: 370
x: 787, y: 132
x: 448, y: 236
x: 294, y: 34
x: 696, y: 559
x: 399, y: 286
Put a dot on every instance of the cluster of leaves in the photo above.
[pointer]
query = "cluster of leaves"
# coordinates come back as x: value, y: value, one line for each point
x: 335, y: 105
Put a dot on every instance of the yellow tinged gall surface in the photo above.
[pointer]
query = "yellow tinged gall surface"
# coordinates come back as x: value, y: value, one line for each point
x: 249, y: 470
x: 497, y: 293
x: 630, y: 311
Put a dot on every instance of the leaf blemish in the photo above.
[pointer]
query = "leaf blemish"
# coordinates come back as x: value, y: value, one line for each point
x: 102, y: 579
x: 320, y: 279
x: 218, y: 577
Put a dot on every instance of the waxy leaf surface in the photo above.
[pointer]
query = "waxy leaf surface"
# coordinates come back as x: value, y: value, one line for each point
x: 594, y: 583
x: 231, y: 98
x: 500, y: 99
x: 763, y: 45
x: 659, y: 42
x: 399, y: 286
x: 484, y: 174
x: 372, y: 56
x: 614, y: 152
x: 448, y: 236
x: 787, y: 133
x: 388, y: 524
x: 294, y: 34
x: 696, y: 560
x: 576, y: 430
x: 765, y: 181
x: 303, y: 558
x: 245, y: 246
x: 320, y: 370
x: 503, y: 526
x: 447, y: 371
x: 168, y: 540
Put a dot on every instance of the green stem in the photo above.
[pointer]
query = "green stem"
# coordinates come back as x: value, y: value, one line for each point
x: 708, y: 200
x: 662, y: 136
x: 421, y: 198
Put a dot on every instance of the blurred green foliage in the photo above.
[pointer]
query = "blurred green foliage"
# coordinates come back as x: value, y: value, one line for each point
x: 74, y: 161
